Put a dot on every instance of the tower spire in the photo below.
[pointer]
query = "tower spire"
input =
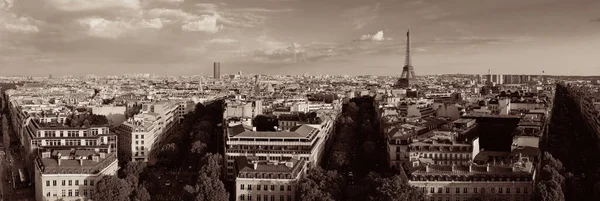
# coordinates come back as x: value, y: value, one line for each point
x: 407, y: 59
x: 408, y: 73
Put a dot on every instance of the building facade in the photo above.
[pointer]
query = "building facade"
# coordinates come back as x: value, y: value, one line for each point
x: 265, y: 181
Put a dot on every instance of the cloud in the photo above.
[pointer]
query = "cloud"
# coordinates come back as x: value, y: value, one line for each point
x: 208, y: 24
x: 375, y: 37
x: 100, y: 27
x: 93, y: 5
x: 223, y: 40
x: 362, y: 15
x: 207, y: 6
x: 261, y: 10
x: 170, y: 1
x: 168, y: 15
x: 19, y: 25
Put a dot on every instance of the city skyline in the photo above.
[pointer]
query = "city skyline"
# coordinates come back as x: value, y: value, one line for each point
x: 177, y: 37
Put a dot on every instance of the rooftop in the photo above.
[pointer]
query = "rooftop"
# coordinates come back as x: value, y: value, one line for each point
x: 74, y: 161
x: 301, y: 131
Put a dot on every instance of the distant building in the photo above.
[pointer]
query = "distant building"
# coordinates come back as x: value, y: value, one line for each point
x: 217, y: 70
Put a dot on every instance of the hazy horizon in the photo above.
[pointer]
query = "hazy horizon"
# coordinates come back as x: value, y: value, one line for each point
x: 353, y: 37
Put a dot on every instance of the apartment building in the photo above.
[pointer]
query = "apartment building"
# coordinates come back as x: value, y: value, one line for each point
x: 305, y: 141
x: 512, y: 181
x: 421, y: 108
x: 267, y: 180
x: 70, y: 174
x: 459, y: 171
x: 140, y: 135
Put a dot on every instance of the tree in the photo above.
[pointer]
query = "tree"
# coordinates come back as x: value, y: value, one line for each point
x: 548, y: 191
x: 339, y: 159
x: 110, y: 188
x: 392, y: 189
x: 198, y: 148
x: 369, y: 147
x: 210, y: 189
x: 308, y: 190
x: 212, y: 165
x: 189, y: 192
x: 141, y: 194
x: 329, y: 182
x: 265, y: 123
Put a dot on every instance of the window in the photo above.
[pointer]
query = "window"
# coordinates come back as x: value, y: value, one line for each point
x: 48, y: 183
x: 91, y: 182
x: 76, y: 182
x: 85, y: 192
x: 272, y: 198
x: 457, y: 190
x: 249, y: 188
x: 76, y: 192
x: 53, y: 182
x: 142, y: 136
x: 493, y: 190
x: 474, y: 190
x: 281, y: 198
x: 273, y: 187
x: 48, y: 194
x: 266, y: 189
x: 508, y: 190
x: 266, y: 197
x: 242, y: 187
x: 136, y: 136
x: 258, y: 196
x: 465, y: 190
x: 249, y: 196
x: 289, y: 197
x: 448, y: 191
x: 432, y: 190
x: 258, y: 189
x: 289, y: 187
x: 482, y: 190
x: 281, y: 188
x: 70, y: 193
x: 518, y: 190
x: 447, y: 198
x: 242, y: 196
x: 525, y: 190
x: 70, y: 182
x: 63, y: 182
x: 64, y: 193
x: 85, y: 182
x: 457, y: 199
x: 439, y: 190
x: 500, y: 190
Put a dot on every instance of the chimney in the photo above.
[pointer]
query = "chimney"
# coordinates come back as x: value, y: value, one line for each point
x: 427, y: 169
x: 95, y: 158
x: 81, y: 162
x: 470, y: 167
x: 488, y: 168
x: 102, y: 155
x: 254, y: 165
x: 289, y: 164
x: 58, y: 158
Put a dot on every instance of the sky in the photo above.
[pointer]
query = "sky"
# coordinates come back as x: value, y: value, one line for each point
x: 338, y: 37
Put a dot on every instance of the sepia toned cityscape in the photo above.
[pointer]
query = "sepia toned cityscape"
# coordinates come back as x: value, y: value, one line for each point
x: 292, y: 100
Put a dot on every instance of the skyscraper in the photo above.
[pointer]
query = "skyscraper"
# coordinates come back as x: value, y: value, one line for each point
x: 408, y: 73
x: 217, y: 70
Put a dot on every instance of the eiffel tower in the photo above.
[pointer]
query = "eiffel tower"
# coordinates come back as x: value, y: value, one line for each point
x: 408, y: 77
